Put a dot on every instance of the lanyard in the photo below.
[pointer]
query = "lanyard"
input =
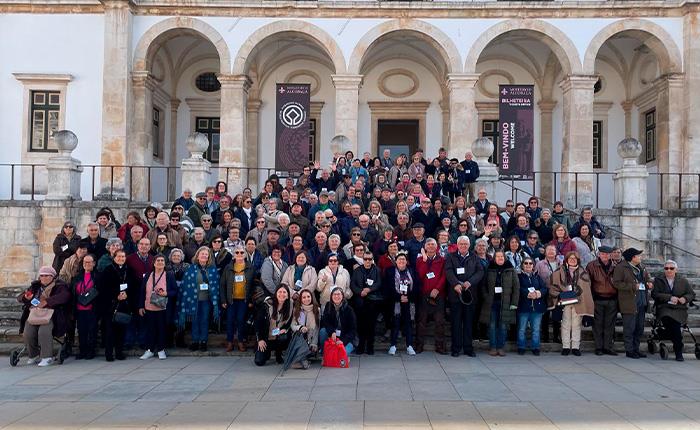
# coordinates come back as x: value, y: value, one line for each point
x: 159, y: 278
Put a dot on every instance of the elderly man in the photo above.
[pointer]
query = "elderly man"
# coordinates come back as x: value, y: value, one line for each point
x: 605, y: 300
x: 198, y: 209
x: 463, y: 272
x: 672, y: 293
x: 198, y: 240
x: 218, y: 214
x: 369, y: 234
x: 587, y: 217
x: 632, y: 283
x: 430, y: 270
x: 131, y: 245
x: 273, y: 237
x: 185, y: 199
x: 163, y: 226
x: 259, y: 232
x: 96, y: 245
x: 471, y: 174
x: 387, y: 162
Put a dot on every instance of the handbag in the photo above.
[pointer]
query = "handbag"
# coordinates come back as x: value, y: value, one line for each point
x: 334, y: 354
x: 39, y: 316
x: 121, y: 317
x: 158, y: 300
x: 568, y: 298
x: 88, y: 296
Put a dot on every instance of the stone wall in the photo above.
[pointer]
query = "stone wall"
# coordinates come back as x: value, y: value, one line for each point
x: 28, y: 229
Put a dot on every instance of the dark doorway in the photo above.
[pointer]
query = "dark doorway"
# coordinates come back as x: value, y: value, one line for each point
x: 398, y: 135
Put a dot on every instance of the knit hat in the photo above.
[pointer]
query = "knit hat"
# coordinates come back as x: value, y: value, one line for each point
x: 47, y: 270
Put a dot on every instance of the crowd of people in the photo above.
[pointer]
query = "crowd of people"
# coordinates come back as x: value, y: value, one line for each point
x: 340, y: 253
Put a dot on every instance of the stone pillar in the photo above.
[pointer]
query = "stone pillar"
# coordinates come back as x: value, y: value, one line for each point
x: 233, y: 152
x: 546, y: 180
x: 172, y: 174
x: 482, y: 148
x: 577, y: 148
x: 63, y: 170
x: 141, y: 144
x: 464, y: 127
x: 445, y: 109
x: 631, y: 195
x: 669, y: 134
x: 115, y: 96
x: 691, y: 143
x: 196, y: 171
x: 627, y: 108
x: 347, y: 95
x: 253, y: 143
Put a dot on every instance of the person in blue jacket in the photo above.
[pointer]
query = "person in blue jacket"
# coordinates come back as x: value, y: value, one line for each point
x: 531, y: 305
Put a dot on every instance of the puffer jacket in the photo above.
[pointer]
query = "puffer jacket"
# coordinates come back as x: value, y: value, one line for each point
x: 526, y: 305
x: 342, y: 280
x: 509, y: 297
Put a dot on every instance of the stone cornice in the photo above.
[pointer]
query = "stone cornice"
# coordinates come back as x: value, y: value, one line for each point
x: 368, y: 9
x: 57, y: 78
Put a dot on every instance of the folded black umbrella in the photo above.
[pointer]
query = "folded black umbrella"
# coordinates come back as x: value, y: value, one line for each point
x: 297, y: 351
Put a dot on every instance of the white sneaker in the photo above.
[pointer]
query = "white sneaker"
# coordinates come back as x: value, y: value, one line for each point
x: 146, y: 355
x: 410, y: 350
x: 392, y: 350
x: 31, y: 361
x: 46, y: 362
x: 161, y: 355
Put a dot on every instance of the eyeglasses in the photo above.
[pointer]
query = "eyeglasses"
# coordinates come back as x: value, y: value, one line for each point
x: 239, y: 252
x: 248, y: 201
x: 368, y: 259
x: 527, y: 263
x: 533, y: 237
x: 492, y: 225
x: 509, y: 206
x: 260, y: 222
x: 670, y: 268
x: 217, y: 241
x: 70, y: 226
x: 206, y: 220
x: 356, y: 234
x: 332, y: 261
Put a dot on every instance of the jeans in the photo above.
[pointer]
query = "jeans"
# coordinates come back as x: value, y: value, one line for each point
x: 278, y: 346
x: 403, y: 321
x: 200, y: 323
x: 534, y: 319
x: 323, y: 336
x: 497, y: 328
x: 235, y: 319
x: 633, y: 329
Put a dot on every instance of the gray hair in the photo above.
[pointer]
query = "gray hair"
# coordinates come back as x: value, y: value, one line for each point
x: 114, y: 241
x: 282, y: 215
x: 481, y: 240
x: 197, y: 230
x: 238, y: 248
x: 430, y: 240
x: 463, y: 239
x: 93, y: 224
x: 176, y: 251
x: 672, y: 263
x: 333, y: 236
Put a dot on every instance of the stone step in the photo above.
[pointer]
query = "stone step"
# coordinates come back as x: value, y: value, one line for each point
x: 10, y: 304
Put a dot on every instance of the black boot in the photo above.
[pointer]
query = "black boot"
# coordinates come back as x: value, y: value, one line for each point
x: 203, y: 346
x: 194, y: 346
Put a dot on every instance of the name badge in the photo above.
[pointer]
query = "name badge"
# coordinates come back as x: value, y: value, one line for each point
x: 123, y: 287
x: 430, y: 275
x: 498, y: 290
x: 642, y: 287
x: 337, y: 333
x: 324, y: 189
x: 297, y: 285
x: 522, y: 243
x: 204, y: 287
x: 467, y: 171
x: 275, y: 332
x: 401, y: 242
x: 35, y: 302
x: 531, y: 289
x: 302, y: 318
x: 239, y: 278
x: 143, y: 275
x: 460, y: 270
x: 64, y: 247
x: 403, y: 288
x: 370, y: 282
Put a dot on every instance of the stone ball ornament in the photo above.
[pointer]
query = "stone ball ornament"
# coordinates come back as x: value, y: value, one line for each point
x: 197, y: 144
x: 66, y: 141
x: 629, y: 149
x: 340, y: 144
x: 482, y: 148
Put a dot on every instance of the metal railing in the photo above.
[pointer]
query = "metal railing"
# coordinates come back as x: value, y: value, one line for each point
x: 665, y: 190
x: 26, y: 181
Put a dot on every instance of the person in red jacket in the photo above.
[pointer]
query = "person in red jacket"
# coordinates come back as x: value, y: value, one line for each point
x: 562, y: 242
x: 430, y: 270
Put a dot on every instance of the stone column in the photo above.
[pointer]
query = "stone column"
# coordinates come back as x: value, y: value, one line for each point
x: 546, y: 180
x: 233, y: 150
x: 141, y: 144
x: 196, y: 171
x: 627, y: 108
x: 63, y: 170
x: 253, y: 142
x: 691, y: 143
x: 172, y: 174
x: 115, y: 96
x: 631, y: 195
x: 482, y: 148
x: 669, y: 134
x: 347, y: 95
x: 577, y: 148
x: 464, y: 127
x: 445, y: 109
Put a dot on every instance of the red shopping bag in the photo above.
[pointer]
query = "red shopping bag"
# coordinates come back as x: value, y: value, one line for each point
x: 334, y: 354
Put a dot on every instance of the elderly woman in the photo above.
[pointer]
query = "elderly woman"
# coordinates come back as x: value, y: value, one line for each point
x: 273, y: 322
x: 272, y: 270
x: 236, y: 288
x: 400, y: 284
x: 64, y: 245
x: 47, y: 295
x: 531, y: 305
x: 300, y: 275
x: 672, y: 294
x: 586, y: 244
x: 113, y: 298
x: 84, y: 288
x: 177, y: 266
x: 570, y: 287
x: 156, y: 287
x: 107, y: 227
x: 499, y: 301
x: 332, y: 276
x: 114, y: 244
x: 199, y: 297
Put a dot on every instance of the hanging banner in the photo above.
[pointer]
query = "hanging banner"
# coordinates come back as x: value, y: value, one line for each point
x: 516, y: 123
x: 292, y: 143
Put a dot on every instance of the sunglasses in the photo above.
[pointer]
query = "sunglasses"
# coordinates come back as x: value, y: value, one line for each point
x: 260, y: 222
x: 532, y: 237
x: 333, y: 261
x: 492, y: 225
x: 70, y: 226
x: 368, y: 259
x: 206, y: 220
x: 248, y: 201
x: 669, y: 268
x: 239, y: 252
x: 509, y: 206
x: 527, y: 263
x: 217, y: 241
x: 356, y: 234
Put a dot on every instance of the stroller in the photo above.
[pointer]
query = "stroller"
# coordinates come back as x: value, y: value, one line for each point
x: 658, y: 335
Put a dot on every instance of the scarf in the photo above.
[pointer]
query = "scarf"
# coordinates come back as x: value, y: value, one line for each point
x: 298, y: 272
x: 309, y: 318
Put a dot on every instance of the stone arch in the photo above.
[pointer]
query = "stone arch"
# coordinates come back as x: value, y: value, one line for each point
x: 151, y: 36
x: 653, y: 35
x: 555, y: 39
x: 428, y: 32
x: 315, y: 33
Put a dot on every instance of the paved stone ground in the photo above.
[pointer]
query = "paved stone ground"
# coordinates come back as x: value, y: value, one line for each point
x: 426, y: 391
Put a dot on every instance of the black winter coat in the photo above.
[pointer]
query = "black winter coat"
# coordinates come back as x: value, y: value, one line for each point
x: 344, y: 321
x: 60, y: 255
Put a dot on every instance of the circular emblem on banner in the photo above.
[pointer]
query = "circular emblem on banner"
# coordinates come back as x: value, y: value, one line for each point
x: 292, y: 115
